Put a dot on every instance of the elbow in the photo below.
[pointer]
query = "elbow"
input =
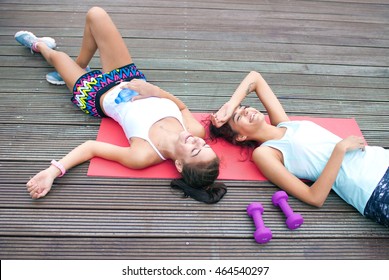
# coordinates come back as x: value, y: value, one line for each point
x: 314, y: 196
x: 88, y: 150
x: 313, y: 199
x: 256, y: 80
x: 255, y: 74
x: 201, y: 133
x: 318, y: 203
x: 198, y: 130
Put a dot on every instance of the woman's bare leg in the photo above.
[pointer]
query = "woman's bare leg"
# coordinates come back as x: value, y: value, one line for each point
x: 101, y: 34
x: 69, y: 70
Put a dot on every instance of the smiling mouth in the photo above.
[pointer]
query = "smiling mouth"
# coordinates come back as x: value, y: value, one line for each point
x: 252, y: 117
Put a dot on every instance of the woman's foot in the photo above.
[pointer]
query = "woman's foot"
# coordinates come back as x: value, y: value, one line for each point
x: 39, y: 185
x: 55, y: 78
x: 29, y: 40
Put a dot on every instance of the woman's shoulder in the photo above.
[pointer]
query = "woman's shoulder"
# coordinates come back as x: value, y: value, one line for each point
x: 264, y: 152
x: 144, y: 152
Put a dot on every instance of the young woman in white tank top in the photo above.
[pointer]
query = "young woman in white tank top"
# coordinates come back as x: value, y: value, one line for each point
x: 294, y: 150
x: 170, y: 134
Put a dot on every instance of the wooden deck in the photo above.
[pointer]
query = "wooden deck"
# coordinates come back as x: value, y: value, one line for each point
x: 323, y: 58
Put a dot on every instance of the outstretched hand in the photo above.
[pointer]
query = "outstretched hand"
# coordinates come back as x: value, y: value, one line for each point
x: 39, y: 185
x: 222, y: 116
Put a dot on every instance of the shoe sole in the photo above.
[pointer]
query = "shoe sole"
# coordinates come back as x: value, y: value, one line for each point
x: 54, y: 82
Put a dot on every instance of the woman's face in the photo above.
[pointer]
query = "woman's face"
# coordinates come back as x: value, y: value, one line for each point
x: 246, y: 120
x: 193, y: 149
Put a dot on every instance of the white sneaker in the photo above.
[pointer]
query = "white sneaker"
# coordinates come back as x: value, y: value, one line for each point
x: 55, y: 78
x: 29, y: 40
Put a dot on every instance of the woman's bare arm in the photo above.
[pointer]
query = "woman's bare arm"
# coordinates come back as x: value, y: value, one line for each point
x: 253, y: 82
x: 270, y: 164
x: 41, y: 183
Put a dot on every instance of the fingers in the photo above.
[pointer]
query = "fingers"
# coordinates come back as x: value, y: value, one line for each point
x: 213, y: 119
x: 362, y: 143
x: 33, y: 188
x: 222, y: 115
x: 216, y: 121
x: 31, y: 185
x: 356, y: 142
x: 137, y: 97
x: 41, y: 192
x: 134, y: 84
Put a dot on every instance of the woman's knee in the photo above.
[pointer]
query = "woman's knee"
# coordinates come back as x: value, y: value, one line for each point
x: 96, y: 13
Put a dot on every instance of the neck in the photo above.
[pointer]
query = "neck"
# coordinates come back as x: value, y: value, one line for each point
x: 268, y: 132
x: 166, y: 143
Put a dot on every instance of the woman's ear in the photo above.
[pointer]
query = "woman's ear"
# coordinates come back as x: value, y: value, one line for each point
x: 179, y: 165
x: 240, y: 138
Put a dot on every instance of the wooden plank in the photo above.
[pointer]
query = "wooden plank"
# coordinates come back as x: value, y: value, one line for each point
x: 190, y: 248
x: 204, y: 19
x: 67, y: 112
x: 82, y: 192
x: 38, y: 92
x: 212, y: 79
x: 185, y: 223
x: 184, y: 64
x: 234, y: 51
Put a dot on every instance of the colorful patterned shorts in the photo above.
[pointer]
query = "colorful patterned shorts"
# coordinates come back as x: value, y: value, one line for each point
x: 92, y: 85
x: 377, y: 208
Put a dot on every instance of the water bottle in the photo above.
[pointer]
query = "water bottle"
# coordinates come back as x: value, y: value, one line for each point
x: 125, y: 95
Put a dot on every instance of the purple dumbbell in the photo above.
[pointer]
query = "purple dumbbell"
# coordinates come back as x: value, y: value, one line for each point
x: 262, y: 233
x: 293, y: 220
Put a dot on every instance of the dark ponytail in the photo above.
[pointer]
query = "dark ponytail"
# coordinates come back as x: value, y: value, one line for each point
x: 198, y: 182
x: 210, y: 194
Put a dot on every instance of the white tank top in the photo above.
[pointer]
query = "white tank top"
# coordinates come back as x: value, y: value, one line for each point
x: 137, y: 117
x: 307, y: 147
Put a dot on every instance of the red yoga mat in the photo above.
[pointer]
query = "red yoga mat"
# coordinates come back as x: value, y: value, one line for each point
x: 234, y: 165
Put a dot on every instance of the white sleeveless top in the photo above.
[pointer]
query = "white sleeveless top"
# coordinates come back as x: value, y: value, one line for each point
x: 137, y: 117
x: 307, y: 147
